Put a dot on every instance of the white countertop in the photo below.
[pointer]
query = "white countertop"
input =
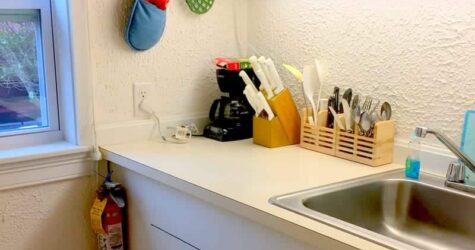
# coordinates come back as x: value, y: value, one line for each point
x: 247, y: 173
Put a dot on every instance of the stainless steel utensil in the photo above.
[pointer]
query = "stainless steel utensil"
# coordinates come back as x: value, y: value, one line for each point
x: 374, y: 119
x: 367, y: 104
x: 355, y: 102
x: 374, y: 107
x: 385, y: 111
x: 347, y: 95
x: 357, y: 117
x: 330, y: 118
x: 365, y: 123
x: 336, y: 94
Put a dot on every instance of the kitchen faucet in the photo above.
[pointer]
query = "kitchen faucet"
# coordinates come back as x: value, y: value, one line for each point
x: 456, y: 171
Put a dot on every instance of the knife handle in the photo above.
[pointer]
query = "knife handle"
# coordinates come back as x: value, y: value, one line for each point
x: 330, y: 118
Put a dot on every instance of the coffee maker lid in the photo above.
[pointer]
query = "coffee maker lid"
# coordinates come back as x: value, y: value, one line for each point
x: 230, y: 81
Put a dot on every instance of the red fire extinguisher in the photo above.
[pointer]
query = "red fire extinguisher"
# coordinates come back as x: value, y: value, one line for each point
x: 108, y: 216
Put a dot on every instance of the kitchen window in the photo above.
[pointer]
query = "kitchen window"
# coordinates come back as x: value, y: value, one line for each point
x: 45, y: 92
x: 28, y: 89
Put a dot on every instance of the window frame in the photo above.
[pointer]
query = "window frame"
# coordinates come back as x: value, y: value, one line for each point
x: 63, y: 154
x: 46, y: 56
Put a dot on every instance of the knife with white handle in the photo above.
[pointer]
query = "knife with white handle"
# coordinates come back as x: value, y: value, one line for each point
x: 247, y: 80
x: 261, y: 76
x: 336, y: 118
x: 347, y: 115
x: 268, y: 74
x: 254, y: 63
x: 252, y: 99
x: 264, y: 83
x: 279, y: 86
x: 249, y: 98
x: 270, y: 114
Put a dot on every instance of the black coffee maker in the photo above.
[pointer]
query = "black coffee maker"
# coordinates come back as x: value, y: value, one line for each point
x: 231, y: 115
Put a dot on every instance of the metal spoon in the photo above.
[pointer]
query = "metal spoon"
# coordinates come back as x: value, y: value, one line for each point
x: 374, y: 119
x: 386, y: 111
x: 355, y: 102
x: 365, y: 123
x: 347, y: 95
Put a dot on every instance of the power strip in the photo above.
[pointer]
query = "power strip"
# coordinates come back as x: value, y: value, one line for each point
x: 199, y: 121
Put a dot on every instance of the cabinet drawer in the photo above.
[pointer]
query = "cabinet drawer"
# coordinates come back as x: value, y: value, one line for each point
x: 163, y: 239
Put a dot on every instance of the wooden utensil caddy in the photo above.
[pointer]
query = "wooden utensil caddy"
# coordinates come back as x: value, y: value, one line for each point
x: 373, y: 151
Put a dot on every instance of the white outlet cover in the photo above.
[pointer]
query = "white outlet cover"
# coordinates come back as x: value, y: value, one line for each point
x: 145, y: 89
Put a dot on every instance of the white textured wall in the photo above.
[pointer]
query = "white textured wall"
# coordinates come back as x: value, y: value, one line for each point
x: 180, y: 65
x: 418, y: 55
x: 55, y: 216
x: 52, y: 216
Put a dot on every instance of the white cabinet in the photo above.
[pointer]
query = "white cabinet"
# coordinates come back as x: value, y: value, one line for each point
x: 164, y: 240
x: 200, y: 224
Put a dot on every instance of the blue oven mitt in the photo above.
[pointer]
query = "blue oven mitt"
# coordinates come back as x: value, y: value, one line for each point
x: 145, y: 26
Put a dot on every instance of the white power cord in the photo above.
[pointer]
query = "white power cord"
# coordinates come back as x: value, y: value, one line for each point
x: 182, y: 135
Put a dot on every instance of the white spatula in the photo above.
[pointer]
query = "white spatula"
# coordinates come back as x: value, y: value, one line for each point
x: 320, y: 84
x: 310, y: 81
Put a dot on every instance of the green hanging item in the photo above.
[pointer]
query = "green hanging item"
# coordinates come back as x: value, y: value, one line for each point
x: 200, y: 6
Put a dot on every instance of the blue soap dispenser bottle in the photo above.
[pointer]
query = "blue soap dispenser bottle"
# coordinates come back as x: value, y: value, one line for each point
x: 413, y: 162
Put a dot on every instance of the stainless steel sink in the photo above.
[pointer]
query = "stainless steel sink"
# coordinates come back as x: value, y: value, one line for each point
x: 392, y: 211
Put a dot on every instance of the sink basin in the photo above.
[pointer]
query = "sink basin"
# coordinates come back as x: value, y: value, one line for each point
x: 392, y: 211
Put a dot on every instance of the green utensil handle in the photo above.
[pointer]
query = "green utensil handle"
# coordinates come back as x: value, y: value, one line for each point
x: 200, y: 6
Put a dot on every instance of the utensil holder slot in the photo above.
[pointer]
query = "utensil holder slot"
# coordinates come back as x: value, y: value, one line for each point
x: 322, y: 139
x: 373, y: 151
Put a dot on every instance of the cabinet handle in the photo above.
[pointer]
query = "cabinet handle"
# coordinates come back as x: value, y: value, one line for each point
x: 176, y: 237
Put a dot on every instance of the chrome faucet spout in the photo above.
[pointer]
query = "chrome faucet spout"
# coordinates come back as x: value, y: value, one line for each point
x: 422, y: 132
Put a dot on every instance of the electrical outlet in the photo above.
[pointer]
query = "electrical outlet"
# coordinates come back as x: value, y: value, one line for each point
x: 142, y: 91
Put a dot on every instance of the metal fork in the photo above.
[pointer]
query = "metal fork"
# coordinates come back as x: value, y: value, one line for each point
x: 367, y: 103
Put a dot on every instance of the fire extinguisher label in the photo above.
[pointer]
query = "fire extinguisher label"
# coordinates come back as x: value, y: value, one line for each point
x: 113, y: 239
x: 96, y: 215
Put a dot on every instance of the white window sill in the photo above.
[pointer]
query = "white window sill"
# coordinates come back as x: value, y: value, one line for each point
x: 41, y: 164
x: 34, y: 153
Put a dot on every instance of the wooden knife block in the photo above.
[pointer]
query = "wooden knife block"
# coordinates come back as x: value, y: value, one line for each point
x: 284, y: 129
